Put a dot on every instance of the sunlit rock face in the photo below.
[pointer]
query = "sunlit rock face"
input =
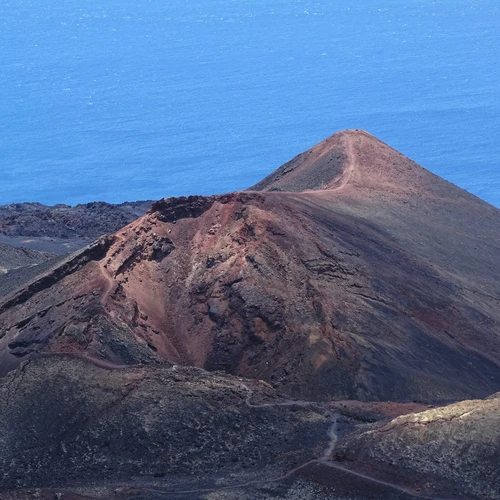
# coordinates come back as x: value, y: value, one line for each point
x: 457, y: 444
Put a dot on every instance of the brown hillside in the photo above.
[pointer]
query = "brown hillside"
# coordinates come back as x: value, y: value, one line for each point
x: 354, y: 273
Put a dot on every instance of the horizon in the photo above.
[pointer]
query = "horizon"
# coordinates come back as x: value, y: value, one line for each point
x: 239, y: 190
x: 118, y: 102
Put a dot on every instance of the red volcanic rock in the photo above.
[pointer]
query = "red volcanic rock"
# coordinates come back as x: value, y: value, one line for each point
x: 354, y: 273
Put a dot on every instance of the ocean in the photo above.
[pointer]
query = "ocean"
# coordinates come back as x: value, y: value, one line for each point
x: 125, y: 100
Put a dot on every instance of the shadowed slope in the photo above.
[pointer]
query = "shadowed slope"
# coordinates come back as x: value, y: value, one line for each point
x: 320, y: 167
x: 379, y: 281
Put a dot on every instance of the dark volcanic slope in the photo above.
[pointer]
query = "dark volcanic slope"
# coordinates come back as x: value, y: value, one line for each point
x: 144, y: 425
x: 378, y: 281
x: 75, y: 427
x: 13, y: 258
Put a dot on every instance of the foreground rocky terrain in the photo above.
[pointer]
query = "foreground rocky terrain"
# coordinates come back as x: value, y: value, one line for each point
x: 459, y: 443
x: 179, y: 423
x: 308, y: 338
x: 102, y: 430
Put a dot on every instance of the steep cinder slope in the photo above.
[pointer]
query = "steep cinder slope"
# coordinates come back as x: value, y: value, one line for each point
x: 375, y: 279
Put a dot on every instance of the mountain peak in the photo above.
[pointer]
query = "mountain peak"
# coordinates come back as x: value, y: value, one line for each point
x: 355, y: 162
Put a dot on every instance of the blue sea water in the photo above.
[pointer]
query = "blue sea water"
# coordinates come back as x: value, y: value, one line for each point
x: 121, y: 100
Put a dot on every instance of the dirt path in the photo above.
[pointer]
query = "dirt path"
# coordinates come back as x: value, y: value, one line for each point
x: 323, y: 460
x: 110, y: 284
x: 351, y: 165
x: 262, y: 482
x: 402, y: 489
x: 350, y: 168
x: 334, y: 437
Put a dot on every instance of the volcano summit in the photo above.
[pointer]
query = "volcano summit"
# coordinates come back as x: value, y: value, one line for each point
x: 285, y: 319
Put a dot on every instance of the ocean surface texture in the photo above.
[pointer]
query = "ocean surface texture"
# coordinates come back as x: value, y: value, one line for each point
x: 121, y: 100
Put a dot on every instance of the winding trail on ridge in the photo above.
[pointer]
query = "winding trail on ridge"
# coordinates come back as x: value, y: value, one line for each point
x: 100, y: 363
x: 110, y: 284
x: 350, y: 168
x: 323, y: 460
x: 332, y: 431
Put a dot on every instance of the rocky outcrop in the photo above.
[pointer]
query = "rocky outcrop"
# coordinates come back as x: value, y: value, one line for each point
x: 457, y: 444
